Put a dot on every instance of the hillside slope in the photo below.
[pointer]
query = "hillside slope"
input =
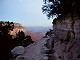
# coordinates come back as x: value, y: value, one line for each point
x: 36, y: 51
x: 34, y: 35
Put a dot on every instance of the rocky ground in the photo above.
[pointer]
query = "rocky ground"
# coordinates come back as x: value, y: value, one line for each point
x: 36, y: 51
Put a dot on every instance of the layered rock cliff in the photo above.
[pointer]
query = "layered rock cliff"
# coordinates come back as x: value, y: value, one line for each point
x: 66, y: 45
x: 17, y: 27
x: 34, y: 35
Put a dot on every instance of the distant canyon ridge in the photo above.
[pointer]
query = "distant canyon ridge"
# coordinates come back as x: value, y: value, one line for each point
x: 36, y: 32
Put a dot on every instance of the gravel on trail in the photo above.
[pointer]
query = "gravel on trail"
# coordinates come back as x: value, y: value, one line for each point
x: 35, y: 51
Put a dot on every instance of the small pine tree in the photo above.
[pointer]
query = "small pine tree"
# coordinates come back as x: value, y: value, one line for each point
x: 23, y: 39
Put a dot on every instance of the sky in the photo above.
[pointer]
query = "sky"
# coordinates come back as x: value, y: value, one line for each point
x: 26, y: 12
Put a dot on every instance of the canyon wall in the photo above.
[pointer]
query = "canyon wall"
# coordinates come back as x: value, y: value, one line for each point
x: 62, y: 43
x: 34, y: 35
x: 66, y: 38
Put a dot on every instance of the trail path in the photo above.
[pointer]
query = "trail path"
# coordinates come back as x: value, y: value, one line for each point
x: 36, y: 51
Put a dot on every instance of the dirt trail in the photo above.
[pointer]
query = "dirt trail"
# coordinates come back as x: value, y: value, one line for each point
x: 36, y: 51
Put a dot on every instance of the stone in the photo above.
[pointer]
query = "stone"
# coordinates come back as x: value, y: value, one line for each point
x: 17, y: 51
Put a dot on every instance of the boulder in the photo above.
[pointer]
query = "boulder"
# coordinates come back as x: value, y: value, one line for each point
x: 17, y: 51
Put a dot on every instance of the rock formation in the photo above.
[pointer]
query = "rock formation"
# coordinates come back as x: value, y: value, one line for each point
x: 66, y: 45
x: 17, y: 51
x: 34, y: 35
x: 17, y: 27
x: 61, y: 43
x: 36, y: 51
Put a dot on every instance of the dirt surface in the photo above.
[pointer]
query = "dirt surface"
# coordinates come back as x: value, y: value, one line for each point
x: 36, y: 51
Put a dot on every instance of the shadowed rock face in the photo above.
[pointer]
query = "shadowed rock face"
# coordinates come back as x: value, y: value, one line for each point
x: 66, y: 39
